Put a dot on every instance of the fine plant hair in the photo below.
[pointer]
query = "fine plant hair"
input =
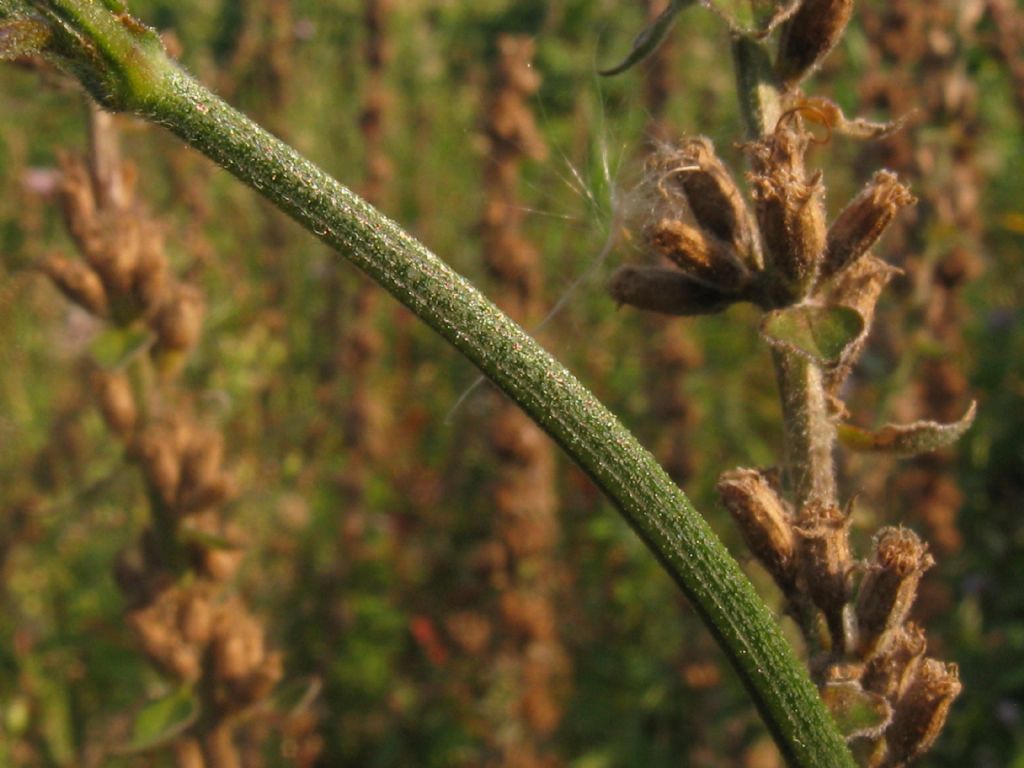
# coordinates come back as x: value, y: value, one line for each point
x: 177, y: 576
x: 817, y: 285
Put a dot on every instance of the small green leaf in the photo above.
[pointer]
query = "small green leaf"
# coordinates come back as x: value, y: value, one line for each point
x: 904, y: 441
x: 113, y: 346
x: 650, y: 37
x: 22, y: 37
x: 857, y: 712
x: 821, y: 334
x: 163, y: 720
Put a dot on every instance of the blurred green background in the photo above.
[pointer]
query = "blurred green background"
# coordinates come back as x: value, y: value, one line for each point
x: 366, y: 610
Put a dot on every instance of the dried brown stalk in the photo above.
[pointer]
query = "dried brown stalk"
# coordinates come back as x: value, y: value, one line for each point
x: 177, y: 577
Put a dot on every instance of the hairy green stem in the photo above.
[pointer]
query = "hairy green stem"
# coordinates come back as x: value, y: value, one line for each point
x: 809, y: 434
x: 147, y: 83
x: 808, y: 431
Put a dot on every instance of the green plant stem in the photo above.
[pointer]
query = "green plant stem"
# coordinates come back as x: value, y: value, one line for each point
x: 656, y: 509
x: 809, y: 434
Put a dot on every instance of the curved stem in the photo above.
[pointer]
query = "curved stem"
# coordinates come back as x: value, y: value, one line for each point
x: 653, y: 505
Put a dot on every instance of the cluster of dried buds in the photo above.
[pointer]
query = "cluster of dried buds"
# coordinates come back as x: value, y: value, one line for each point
x: 817, y: 285
x: 122, y: 275
x: 867, y: 658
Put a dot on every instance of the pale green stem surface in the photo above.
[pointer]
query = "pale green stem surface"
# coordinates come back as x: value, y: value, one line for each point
x: 147, y: 83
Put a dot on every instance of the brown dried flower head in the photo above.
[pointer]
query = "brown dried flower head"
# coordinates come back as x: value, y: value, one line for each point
x: 693, y: 172
x: 921, y: 712
x: 890, y: 586
x: 790, y: 212
x: 862, y: 222
x: 765, y: 521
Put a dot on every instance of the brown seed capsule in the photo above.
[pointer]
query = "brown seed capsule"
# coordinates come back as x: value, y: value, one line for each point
x: 921, y: 712
x: 668, y: 291
x: 712, y: 195
x: 808, y: 37
x: 764, y: 520
x: 79, y: 283
x: 699, y: 254
x: 790, y: 211
x: 894, y: 664
x: 862, y: 222
x: 116, y: 402
x: 824, y: 552
x: 888, y: 590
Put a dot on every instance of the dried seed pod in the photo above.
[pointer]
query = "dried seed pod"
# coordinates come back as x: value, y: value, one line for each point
x: 890, y: 586
x: 893, y: 665
x: 790, y: 211
x: 668, y: 291
x: 150, y: 277
x: 79, y: 283
x: 825, y: 560
x: 179, y: 321
x: 699, y: 254
x: 862, y: 222
x: 116, y: 402
x: 161, y: 462
x: 712, y: 195
x: 765, y: 521
x: 809, y: 35
x: 921, y: 712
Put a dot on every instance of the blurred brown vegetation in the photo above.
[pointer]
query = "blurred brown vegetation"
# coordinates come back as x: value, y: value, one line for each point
x: 442, y: 587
